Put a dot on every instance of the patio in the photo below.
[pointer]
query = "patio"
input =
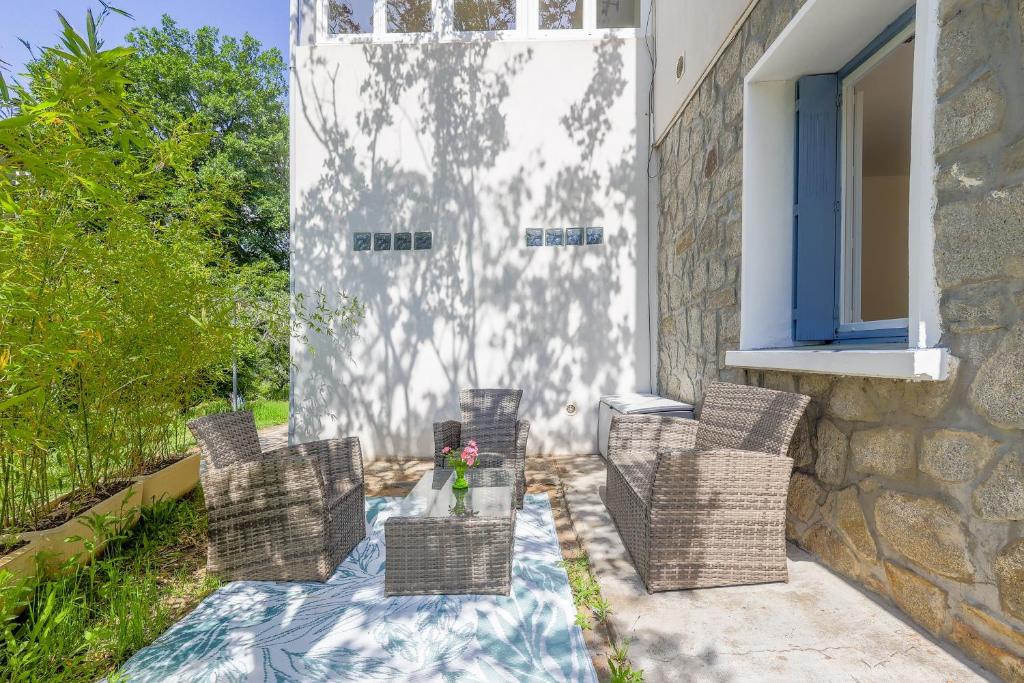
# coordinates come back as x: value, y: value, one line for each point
x: 815, y: 627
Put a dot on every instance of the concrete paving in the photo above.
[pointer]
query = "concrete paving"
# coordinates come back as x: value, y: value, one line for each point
x: 273, y: 437
x: 817, y: 627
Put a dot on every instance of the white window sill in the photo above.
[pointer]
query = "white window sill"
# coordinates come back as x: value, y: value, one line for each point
x: 864, y: 361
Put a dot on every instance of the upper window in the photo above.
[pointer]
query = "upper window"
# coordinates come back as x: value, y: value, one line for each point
x: 560, y: 14
x: 485, y: 15
x: 851, y: 213
x: 349, y: 16
x: 410, y: 16
x: 445, y: 17
x: 618, y: 13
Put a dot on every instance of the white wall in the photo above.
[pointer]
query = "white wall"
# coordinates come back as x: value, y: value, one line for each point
x: 475, y: 142
x: 694, y: 30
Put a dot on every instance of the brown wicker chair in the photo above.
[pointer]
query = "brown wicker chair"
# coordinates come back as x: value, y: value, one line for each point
x: 289, y: 514
x: 489, y: 417
x: 703, y: 503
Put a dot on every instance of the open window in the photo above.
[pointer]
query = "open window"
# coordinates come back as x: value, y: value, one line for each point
x: 852, y: 187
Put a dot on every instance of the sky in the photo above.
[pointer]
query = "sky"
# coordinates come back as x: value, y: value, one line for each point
x: 36, y: 21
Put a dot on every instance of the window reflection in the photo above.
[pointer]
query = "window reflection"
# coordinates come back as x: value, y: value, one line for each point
x: 618, y: 13
x: 409, y: 16
x: 349, y: 16
x: 559, y: 14
x: 485, y: 15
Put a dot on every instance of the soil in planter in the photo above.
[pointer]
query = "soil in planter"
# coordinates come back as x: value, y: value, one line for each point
x: 76, y: 503
x: 157, y: 465
x: 8, y: 548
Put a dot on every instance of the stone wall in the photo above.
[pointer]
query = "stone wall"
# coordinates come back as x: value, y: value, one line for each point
x: 914, y: 490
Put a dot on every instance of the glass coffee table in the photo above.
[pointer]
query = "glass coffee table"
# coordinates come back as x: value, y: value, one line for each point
x: 448, y: 542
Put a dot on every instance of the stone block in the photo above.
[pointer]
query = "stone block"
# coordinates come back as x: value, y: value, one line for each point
x: 816, y: 386
x: 927, y: 399
x: 926, y: 531
x: 832, y: 454
x: 1009, y: 568
x: 980, y: 239
x: 925, y: 602
x: 850, y: 521
x: 971, y: 114
x: 1005, y: 664
x: 999, y: 385
x: 850, y: 401
x: 887, y: 451
x: 982, y: 620
x: 974, y: 308
x: 1000, y: 498
x: 804, y: 497
x: 827, y: 545
x: 953, y: 455
x: 963, y: 48
x: 800, y: 449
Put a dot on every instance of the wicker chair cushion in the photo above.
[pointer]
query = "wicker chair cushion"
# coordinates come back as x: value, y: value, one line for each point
x: 489, y: 418
x: 227, y: 438
x: 748, y: 418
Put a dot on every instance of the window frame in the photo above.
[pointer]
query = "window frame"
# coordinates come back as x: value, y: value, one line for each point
x: 527, y: 26
x: 848, y: 258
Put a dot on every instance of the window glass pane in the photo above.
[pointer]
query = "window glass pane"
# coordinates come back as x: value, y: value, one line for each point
x: 485, y: 15
x: 349, y: 16
x: 884, y: 102
x: 555, y: 14
x: 618, y: 13
x: 409, y: 16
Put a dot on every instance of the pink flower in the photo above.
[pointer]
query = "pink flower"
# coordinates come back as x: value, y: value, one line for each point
x: 472, y: 444
x: 446, y: 449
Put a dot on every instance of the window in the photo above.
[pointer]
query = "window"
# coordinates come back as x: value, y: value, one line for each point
x: 618, y: 13
x: 560, y: 14
x: 485, y: 15
x: 349, y: 16
x: 410, y: 16
x: 852, y: 188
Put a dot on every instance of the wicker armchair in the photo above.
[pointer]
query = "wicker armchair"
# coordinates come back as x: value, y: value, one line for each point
x: 290, y: 514
x: 703, y: 503
x: 489, y: 416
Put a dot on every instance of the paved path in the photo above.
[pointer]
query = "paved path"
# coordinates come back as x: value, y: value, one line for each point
x: 273, y: 437
x: 817, y: 627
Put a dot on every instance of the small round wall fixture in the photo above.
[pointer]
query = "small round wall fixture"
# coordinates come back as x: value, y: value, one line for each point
x: 570, y: 408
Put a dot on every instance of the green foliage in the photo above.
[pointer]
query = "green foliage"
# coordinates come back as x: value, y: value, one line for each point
x: 114, y: 294
x: 619, y: 667
x: 86, y: 621
x: 236, y: 89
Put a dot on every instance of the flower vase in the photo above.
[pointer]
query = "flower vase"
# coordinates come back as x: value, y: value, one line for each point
x: 460, y: 502
x: 460, y: 477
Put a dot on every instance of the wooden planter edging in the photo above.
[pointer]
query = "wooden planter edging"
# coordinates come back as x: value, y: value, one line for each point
x: 172, y: 482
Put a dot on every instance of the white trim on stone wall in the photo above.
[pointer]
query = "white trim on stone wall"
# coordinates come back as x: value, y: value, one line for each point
x: 822, y: 37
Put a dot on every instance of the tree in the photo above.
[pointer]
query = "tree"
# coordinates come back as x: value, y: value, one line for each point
x: 238, y: 89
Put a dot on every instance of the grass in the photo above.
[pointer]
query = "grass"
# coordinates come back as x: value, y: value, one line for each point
x: 87, y: 621
x: 586, y: 595
x: 269, y: 413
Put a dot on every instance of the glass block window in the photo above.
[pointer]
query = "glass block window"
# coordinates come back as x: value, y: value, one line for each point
x: 349, y: 16
x: 560, y: 14
x: 485, y: 15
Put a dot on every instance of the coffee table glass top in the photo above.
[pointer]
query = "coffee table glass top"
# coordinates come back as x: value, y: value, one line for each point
x: 489, y: 494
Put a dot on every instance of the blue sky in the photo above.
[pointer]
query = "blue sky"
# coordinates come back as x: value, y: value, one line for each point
x: 36, y: 21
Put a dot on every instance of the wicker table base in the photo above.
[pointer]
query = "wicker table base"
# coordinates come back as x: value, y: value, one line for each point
x: 435, y: 548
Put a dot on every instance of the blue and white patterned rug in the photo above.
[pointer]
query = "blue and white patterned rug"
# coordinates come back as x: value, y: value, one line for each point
x: 346, y: 630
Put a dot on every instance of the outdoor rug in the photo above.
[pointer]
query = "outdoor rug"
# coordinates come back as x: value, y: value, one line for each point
x: 347, y: 630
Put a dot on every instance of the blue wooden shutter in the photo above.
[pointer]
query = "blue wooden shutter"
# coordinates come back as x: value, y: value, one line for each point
x: 816, y: 210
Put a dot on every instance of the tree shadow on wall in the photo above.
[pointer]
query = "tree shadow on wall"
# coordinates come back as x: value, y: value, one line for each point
x: 435, y: 317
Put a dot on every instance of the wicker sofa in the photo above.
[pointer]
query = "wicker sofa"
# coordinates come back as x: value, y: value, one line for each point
x: 489, y: 417
x: 703, y: 503
x: 289, y: 514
